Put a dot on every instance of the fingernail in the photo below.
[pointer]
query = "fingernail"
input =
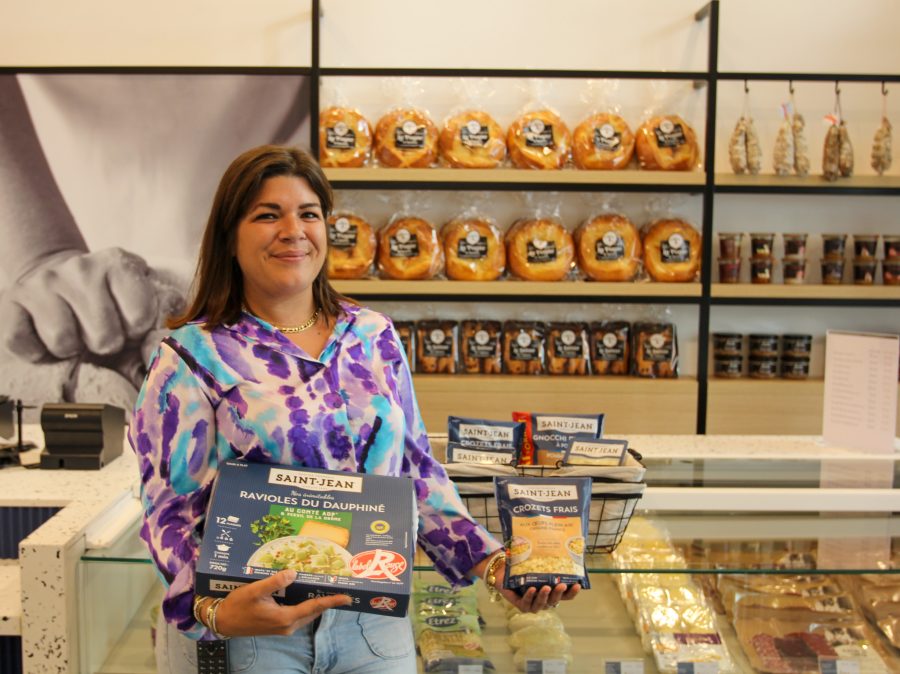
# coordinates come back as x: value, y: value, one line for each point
x: 347, y: 600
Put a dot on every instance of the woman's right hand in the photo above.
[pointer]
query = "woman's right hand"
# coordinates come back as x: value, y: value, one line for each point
x: 251, y: 611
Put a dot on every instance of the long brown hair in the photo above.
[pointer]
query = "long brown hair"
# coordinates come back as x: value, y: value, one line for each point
x: 218, y: 287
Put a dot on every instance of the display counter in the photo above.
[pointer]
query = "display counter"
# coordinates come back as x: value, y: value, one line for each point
x: 87, y: 587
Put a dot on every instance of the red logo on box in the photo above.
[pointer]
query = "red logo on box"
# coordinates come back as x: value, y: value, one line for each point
x: 378, y: 565
x: 383, y: 603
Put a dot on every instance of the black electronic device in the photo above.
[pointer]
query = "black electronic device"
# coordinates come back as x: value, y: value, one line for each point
x: 212, y: 657
x: 10, y: 424
x: 81, y: 436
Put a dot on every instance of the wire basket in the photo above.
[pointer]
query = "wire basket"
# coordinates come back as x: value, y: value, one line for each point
x: 609, y: 516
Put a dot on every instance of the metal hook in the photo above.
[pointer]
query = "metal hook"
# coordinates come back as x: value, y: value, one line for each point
x: 883, y: 88
x: 746, y: 87
x: 837, y: 87
x: 791, y: 87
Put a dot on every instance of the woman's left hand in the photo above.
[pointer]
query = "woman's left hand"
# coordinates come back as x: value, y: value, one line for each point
x: 535, y: 600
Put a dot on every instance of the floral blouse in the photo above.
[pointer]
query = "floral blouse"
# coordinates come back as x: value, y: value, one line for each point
x: 245, y: 390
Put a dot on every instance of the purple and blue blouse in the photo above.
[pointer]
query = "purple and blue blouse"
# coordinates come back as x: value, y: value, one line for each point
x: 246, y: 391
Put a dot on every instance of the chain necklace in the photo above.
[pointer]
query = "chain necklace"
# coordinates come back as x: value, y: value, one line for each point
x: 293, y: 329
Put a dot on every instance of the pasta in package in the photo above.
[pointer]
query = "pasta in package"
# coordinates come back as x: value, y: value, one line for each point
x: 545, y: 524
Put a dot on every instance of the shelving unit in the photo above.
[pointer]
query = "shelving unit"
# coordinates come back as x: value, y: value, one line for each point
x: 440, y: 396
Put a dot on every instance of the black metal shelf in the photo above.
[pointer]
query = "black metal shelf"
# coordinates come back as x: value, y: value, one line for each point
x: 522, y: 73
x: 535, y: 186
x: 807, y: 77
x: 156, y: 70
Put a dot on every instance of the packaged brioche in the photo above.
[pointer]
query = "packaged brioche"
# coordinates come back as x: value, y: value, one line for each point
x: 406, y: 331
x: 345, y: 135
x: 539, y: 247
x: 538, y: 138
x: 603, y: 140
x: 471, y: 137
x: 665, y: 140
x: 608, y: 246
x: 672, y: 246
x: 345, y: 138
x: 610, y: 347
x: 473, y: 247
x: 523, y: 347
x: 567, y: 348
x: 405, y: 136
x: 408, y: 247
x: 351, y: 244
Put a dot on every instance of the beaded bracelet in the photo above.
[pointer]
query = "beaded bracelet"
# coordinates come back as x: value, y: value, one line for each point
x: 490, y: 576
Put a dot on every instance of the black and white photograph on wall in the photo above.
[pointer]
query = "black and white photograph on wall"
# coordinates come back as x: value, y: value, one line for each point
x: 105, y: 185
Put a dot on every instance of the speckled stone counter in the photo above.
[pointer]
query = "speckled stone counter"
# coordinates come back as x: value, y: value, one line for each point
x: 43, y: 609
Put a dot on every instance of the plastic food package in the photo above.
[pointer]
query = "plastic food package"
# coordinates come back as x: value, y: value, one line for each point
x: 672, y: 250
x: 744, y: 150
x: 523, y: 347
x: 521, y: 621
x: 567, y: 348
x: 351, y: 245
x: 538, y: 138
x: 603, y: 140
x: 408, y: 249
x: 608, y: 248
x: 610, y: 347
x: 345, y: 137
x: 470, y: 137
x: 473, y: 247
x: 437, y: 346
x: 655, y: 350
x: 540, y: 249
x: 545, y: 521
x: 667, y: 143
x: 405, y: 137
x: 481, y: 347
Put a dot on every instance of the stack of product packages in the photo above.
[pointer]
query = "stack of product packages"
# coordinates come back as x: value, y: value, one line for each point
x: 488, y: 460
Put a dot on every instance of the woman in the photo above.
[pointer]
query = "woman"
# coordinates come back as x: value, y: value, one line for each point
x: 270, y: 364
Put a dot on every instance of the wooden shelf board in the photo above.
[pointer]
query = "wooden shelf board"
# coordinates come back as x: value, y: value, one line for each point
x: 766, y: 406
x: 512, y: 175
x: 626, y: 401
x: 429, y: 288
x: 807, y: 182
x: 824, y: 292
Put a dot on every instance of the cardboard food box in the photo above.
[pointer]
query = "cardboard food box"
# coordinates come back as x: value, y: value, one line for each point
x: 344, y: 533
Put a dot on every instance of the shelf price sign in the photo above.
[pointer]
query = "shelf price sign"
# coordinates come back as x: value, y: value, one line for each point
x: 545, y: 667
x: 625, y: 666
x: 698, y: 668
x: 838, y: 665
x: 470, y: 669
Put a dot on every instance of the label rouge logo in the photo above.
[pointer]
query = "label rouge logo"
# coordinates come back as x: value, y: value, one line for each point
x: 378, y: 564
x: 383, y: 603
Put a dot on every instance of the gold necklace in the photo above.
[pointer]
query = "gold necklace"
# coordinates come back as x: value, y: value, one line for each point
x: 291, y: 329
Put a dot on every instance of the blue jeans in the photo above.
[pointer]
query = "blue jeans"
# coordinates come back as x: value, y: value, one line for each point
x: 344, y: 643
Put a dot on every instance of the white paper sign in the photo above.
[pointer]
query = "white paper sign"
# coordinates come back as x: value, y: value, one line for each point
x: 629, y: 666
x: 838, y: 666
x: 545, y: 667
x: 698, y: 668
x: 860, y: 410
x: 470, y: 669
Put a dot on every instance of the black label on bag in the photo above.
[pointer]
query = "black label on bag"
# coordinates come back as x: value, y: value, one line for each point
x: 482, y: 345
x: 675, y: 249
x: 472, y: 247
x: 609, y: 348
x: 340, y: 137
x: 342, y: 235
x: 538, y: 134
x: 541, y: 251
x: 609, y: 247
x: 409, y: 136
x: 607, y: 139
x: 403, y: 244
x: 523, y: 347
x: 437, y: 344
x: 657, y: 348
x: 669, y: 134
x: 568, y: 345
x: 473, y: 134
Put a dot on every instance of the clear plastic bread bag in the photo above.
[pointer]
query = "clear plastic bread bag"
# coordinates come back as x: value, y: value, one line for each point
x: 603, y: 140
x: 666, y: 139
x: 538, y: 245
x: 608, y: 244
x: 672, y: 244
x: 654, y: 346
x: 345, y: 135
x: 882, y: 155
x: 470, y: 136
x: 352, y: 243
x: 405, y: 136
x: 538, y: 138
x: 472, y: 243
x: 408, y: 246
